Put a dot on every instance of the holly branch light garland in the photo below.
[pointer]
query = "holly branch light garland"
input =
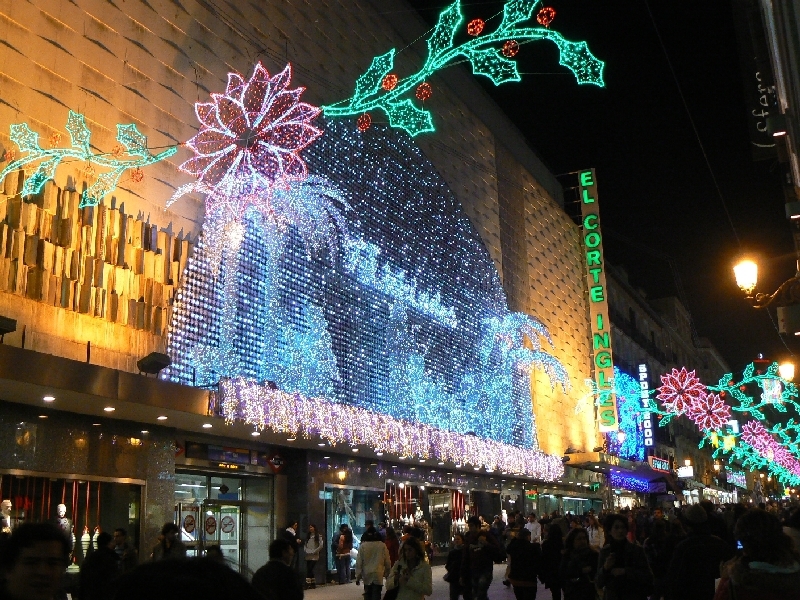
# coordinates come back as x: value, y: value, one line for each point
x: 295, y: 414
x: 41, y: 163
x: 489, y: 54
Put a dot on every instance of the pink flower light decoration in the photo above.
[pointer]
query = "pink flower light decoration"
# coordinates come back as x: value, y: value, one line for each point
x: 249, y: 141
x: 709, y: 412
x: 680, y: 390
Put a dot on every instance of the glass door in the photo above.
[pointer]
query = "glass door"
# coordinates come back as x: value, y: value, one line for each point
x: 222, y: 528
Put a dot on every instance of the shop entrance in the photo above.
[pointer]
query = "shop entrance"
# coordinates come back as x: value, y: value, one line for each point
x: 232, y: 513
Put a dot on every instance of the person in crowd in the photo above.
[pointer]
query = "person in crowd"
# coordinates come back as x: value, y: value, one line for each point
x: 792, y: 528
x: 453, y: 568
x: 372, y: 563
x: 480, y: 552
x: 695, y: 561
x: 498, y: 528
x: 291, y: 536
x: 33, y: 560
x: 198, y: 579
x: 716, y: 523
x: 658, y: 549
x: 169, y: 546
x: 484, y: 523
x: 524, y: 561
x: 622, y: 573
x: 215, y: 553
x: 128, y: 557
x: 314, y: 545
x: 578, y: 566
x: 594, y: 530
x: 277, y: 578
x: 769, y: 568
x: 551, y: 560
x: 560, y: 522
x: 99, y: 569
x: 343, y: 548
x: 382, y: 530
x: 535, y: 528
x: 393, y: 544
x: 411, y: 573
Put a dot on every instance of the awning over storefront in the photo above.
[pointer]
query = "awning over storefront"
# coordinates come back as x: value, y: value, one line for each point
x: 620, y: 469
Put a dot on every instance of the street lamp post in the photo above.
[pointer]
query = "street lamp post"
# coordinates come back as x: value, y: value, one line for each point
x: 787, y: 294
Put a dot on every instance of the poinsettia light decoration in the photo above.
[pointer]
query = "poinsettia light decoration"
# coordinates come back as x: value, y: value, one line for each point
x: 680, y: 390
x: 249, y: 142
x: 709, y: 412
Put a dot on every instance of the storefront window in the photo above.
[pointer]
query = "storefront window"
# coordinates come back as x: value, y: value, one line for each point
x: 354, y: 507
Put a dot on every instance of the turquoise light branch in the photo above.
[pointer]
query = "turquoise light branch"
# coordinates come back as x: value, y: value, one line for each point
x: 132, y: 140
x: 484, y: 52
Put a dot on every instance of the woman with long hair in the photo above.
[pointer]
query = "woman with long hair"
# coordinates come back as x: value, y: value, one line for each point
x: 769, y: 568
x: 578, y: 566
x: 411, y: 574
x: 594, y: 531
x: 314, y: 544
x: 392, y: 544
x: 343, y: 549
x: 551, y: 560
x: 623, y: 572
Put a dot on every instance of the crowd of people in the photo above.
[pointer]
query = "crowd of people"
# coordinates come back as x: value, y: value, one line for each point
x: 699, y: 552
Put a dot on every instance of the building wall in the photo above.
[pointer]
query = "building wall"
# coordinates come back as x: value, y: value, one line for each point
x: 148, y: 62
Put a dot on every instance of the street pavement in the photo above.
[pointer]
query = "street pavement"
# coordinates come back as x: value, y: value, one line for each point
x: 441, y: 589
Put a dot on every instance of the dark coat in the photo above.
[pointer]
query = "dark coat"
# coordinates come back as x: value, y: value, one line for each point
x: 635, y: 584
x: 551, y: 561
x: 276, y: 579
x: 695, y: 566
x: 97, y: 572
x: 526, y: 559
x: 453, y: 565
x: 741, y: 581
x: 479, y: 557
x: 578, y: 585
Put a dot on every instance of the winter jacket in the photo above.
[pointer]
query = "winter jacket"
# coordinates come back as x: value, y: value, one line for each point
x: 525, y: 560
x: 743, y: 580
x: 345, y: 545
x: 551, y: 560
x: 277, y: 579
x: 637, y: 581
x: 393, y: 545
x: 453, y: 565
x: 695, y: 566
x: 597, y: 538
x: 480, y: 557
x: 313, y: 547
x: 418, y: 585
x: 577, y: 584
x: 373, y: 562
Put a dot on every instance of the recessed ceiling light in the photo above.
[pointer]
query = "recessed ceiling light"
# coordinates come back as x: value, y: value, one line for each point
x: 441, y: 463
x: 144, y: 432
x: 291, y: 439
x: 354, y: 449
x: 42, y: 416
x: 379, y: 454
x: 477, y: 468
x: 96, y: 424
x: 422, y: 460
x: 162, y: 418
x: 109, y: 409
x: 207, y: 425
x: 321, y: 444
x: 256, y: 433
x: 48, y: 398
x: 326, y: 457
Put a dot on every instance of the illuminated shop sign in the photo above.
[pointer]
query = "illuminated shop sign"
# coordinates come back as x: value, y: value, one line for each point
x: 608, y: 419
x: 658, y: 464
x: 644, y: 395
x: 686, y: 472
x: 737, y: 478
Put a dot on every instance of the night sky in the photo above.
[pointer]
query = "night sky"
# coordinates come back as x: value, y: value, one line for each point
x: 658, y: 201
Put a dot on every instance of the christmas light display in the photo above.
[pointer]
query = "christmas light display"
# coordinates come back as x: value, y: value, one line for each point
x: 41, y: 165
x: 628, y: 441
x: 679, y: 390
x: 405, y: 316
x: 364, y: 122
x: 709, y: 412
x: 510, y: 48
x: 337, y: 423
x: 546, y: 15
x: 487, y: 54
x: 424, y: 91
x: 628, y: 482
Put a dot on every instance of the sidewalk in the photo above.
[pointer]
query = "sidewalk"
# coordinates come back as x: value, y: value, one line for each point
x: 441, y: 589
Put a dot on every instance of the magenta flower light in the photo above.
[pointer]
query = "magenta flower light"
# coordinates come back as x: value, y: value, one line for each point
x: 680, y: 390
x: 757, y: 436
x: 249, y: 141
x: 709, y: 412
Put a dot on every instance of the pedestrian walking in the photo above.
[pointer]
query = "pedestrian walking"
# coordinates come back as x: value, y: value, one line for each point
x: 658, y: 549
x: 411, y: 574
x: 372, y: 563
x: 524, y: 562
x: 551, y: 560
x: 277, y: 579
x: 33, y: 560
x: 481, y: 550
x: 393, y: 544
x: 99, y: 569
x: 594, y: 530
x: 169, y: 547
x: 578, y: 566
x: 128, y: 557
x: 535, y: 528
x: 769, y: 568
x: 453, y: 568
x: 623, y: 573
x: 343, y: 548
x: 314, y: 545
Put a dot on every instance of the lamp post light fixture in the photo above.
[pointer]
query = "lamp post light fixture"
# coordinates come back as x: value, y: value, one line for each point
x: 787, y: 294
x: 786, y: 370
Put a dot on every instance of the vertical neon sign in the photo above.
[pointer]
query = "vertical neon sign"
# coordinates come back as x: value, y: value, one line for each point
x: 607, y: 416
x: 644, y: 395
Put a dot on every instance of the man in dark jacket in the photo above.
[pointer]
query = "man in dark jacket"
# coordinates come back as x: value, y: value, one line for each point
x: 481, y: 549
x: 695, y: 561
x: 99, y: 569
x: 277, y: 579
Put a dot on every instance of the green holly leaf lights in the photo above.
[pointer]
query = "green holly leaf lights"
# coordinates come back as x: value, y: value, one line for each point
x: 41, y: 164
x: 489, y: 55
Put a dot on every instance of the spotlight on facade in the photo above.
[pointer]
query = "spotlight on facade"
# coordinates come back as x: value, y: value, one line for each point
x: 153, y: 363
